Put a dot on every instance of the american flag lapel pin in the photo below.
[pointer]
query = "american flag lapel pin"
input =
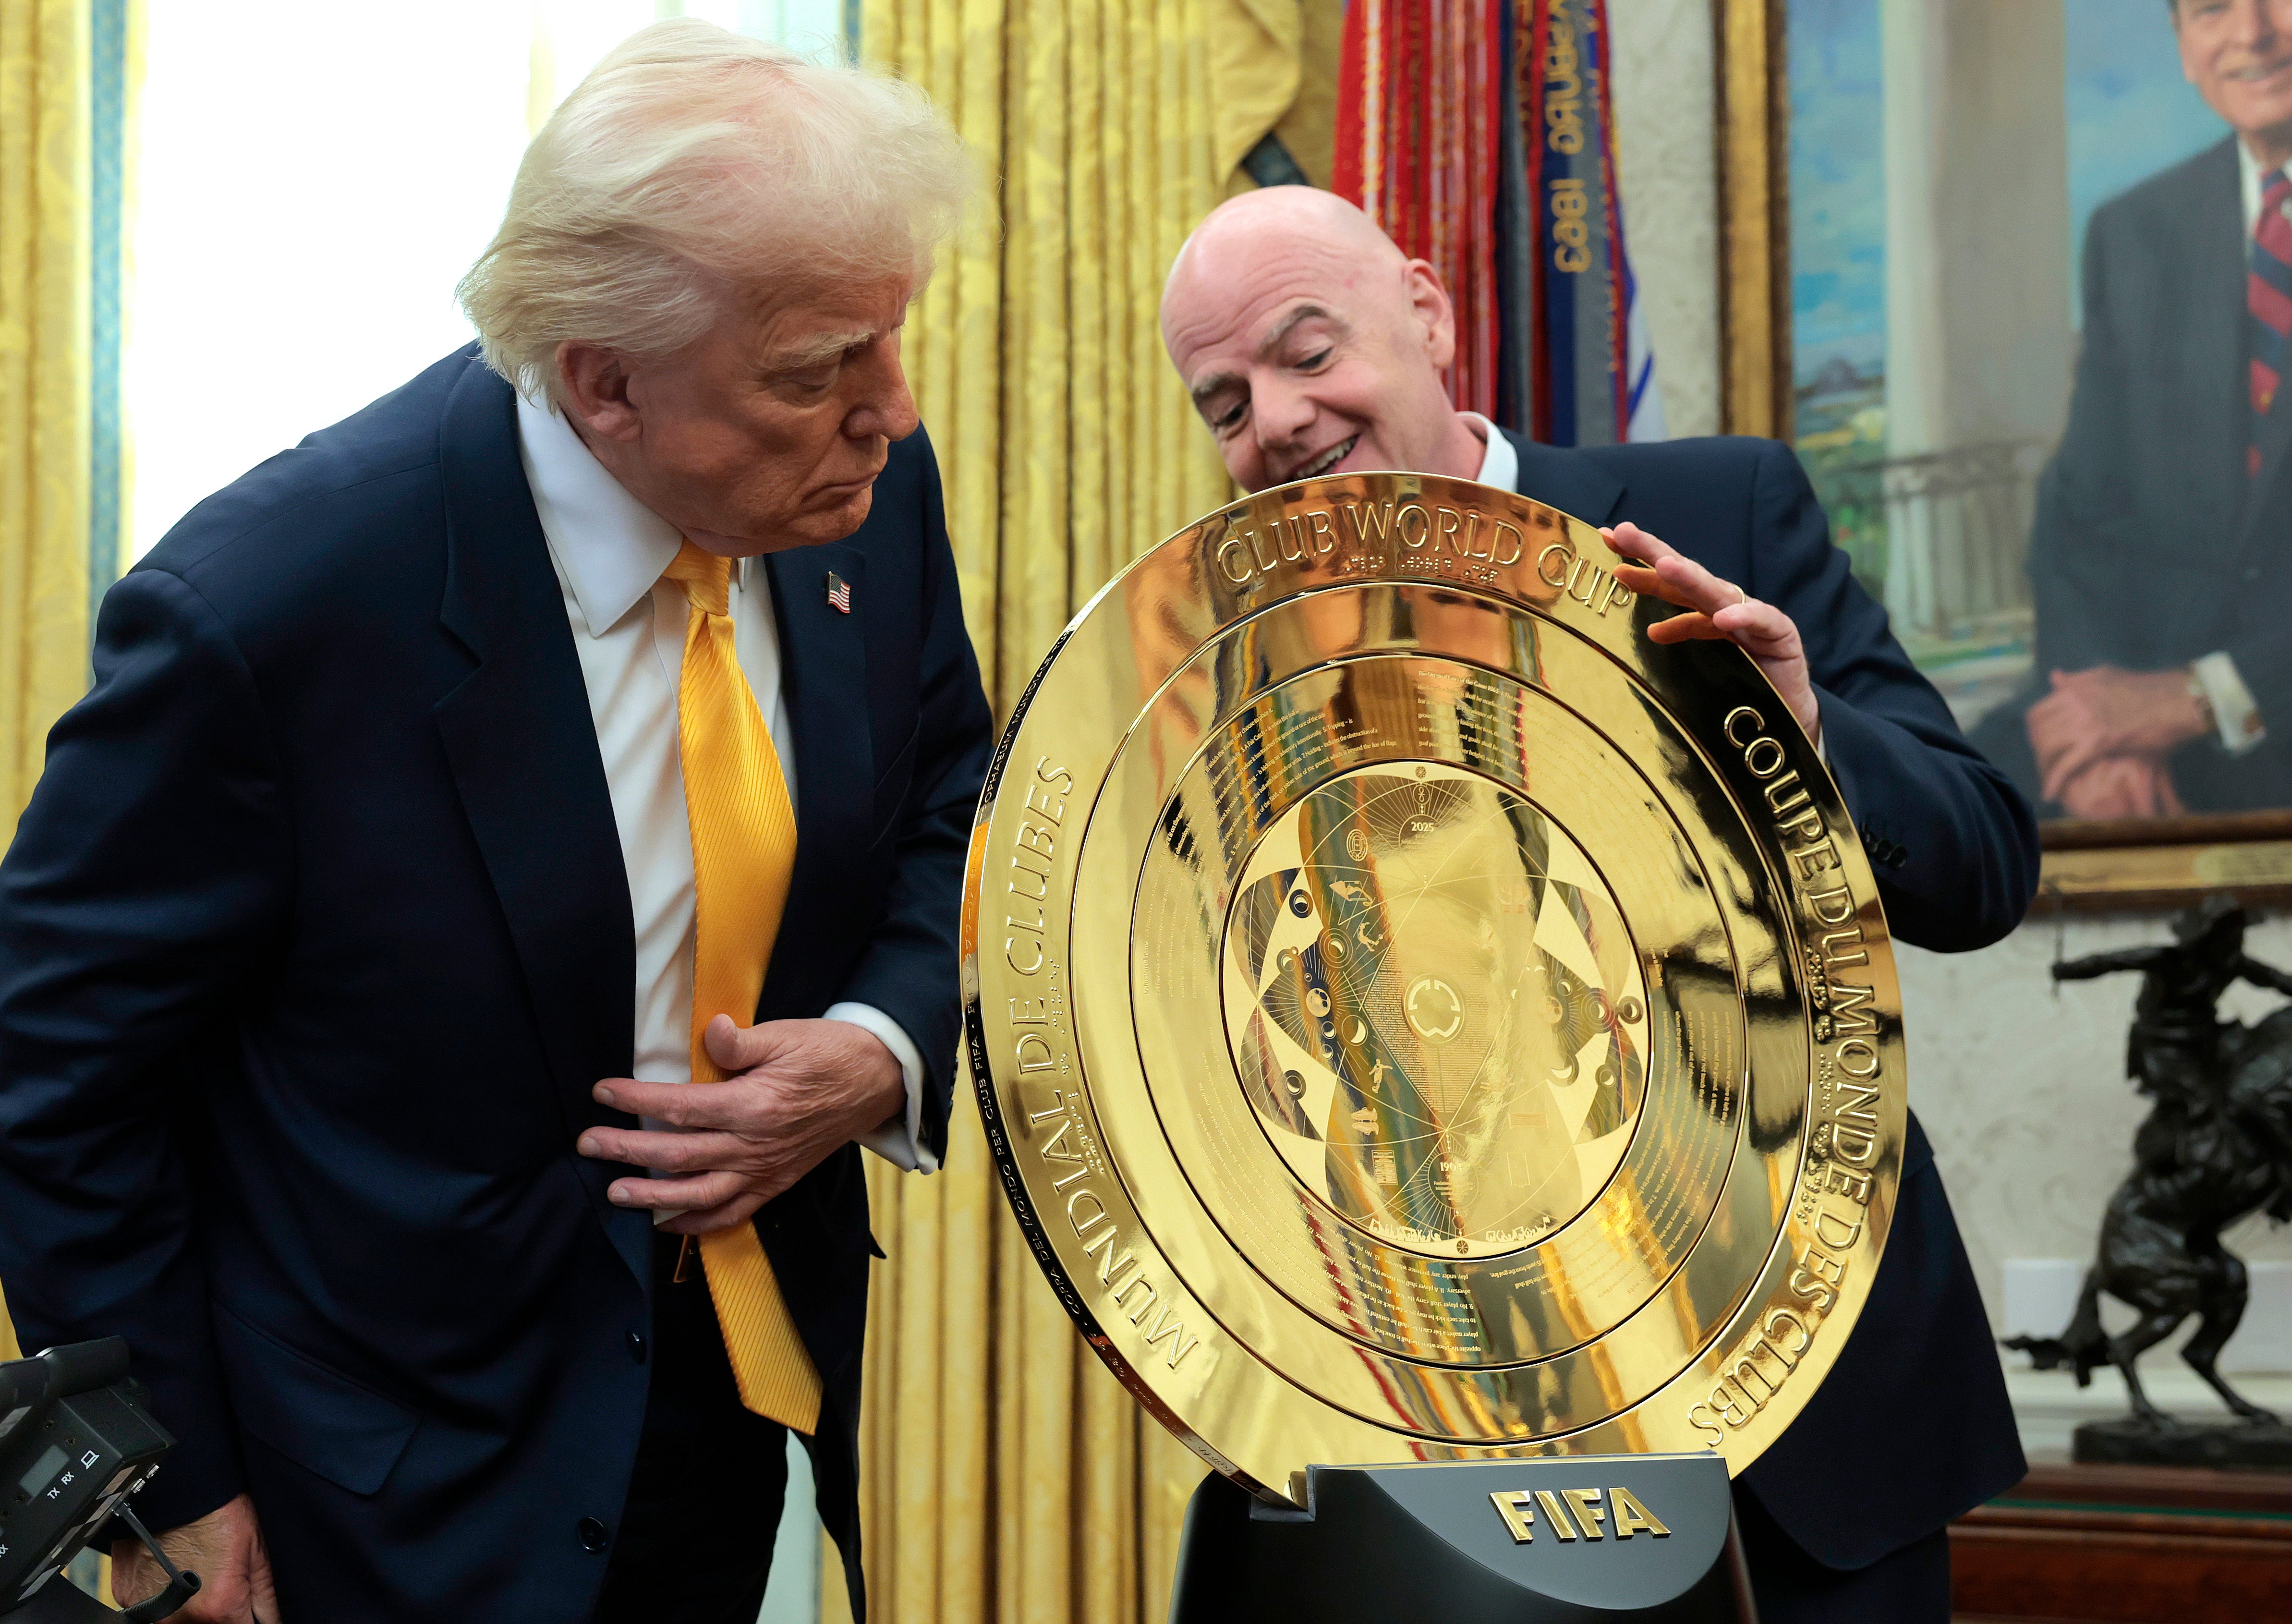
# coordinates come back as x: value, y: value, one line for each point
x: 839, y: 592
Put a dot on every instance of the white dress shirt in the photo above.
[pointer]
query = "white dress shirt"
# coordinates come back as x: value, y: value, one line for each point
x: 609, y: 551
x: 1499, y: 463
x: 2255, y: 182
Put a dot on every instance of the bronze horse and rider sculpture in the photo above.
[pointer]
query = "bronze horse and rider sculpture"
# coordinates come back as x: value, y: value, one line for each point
x: 2216, y: 1145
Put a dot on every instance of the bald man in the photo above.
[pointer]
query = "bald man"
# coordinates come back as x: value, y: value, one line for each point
x: 1313, y: 345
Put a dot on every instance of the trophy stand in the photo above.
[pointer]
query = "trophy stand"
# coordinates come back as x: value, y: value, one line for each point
x: 1555, y: 1540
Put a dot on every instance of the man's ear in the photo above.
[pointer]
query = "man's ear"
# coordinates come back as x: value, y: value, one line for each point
x: 592, y: 387
x: 1435, y: 316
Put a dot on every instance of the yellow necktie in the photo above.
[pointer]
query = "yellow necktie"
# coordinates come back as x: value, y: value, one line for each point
x: 743, y: 853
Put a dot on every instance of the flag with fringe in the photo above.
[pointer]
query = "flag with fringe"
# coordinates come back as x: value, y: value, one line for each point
x: 1480, y: 135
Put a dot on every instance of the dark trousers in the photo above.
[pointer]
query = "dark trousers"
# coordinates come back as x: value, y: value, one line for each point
x: 695, y: 1541
x: 1910, y: 1587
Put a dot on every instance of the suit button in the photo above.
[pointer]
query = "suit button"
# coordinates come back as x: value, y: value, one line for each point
x: 1894, y: 856
x: 591, y: 1534
x: 637, y: 1346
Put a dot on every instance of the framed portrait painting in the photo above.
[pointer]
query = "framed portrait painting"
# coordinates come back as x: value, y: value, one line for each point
x: 2025, y: 298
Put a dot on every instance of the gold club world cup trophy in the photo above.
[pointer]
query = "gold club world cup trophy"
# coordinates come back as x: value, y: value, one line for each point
x: 1442, y: 1046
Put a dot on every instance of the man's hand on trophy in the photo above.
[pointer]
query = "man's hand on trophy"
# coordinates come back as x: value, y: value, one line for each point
x: 224, y: 1549
x: 1720, y: 611
x: 2107, y: 711
x: 797, y: 1092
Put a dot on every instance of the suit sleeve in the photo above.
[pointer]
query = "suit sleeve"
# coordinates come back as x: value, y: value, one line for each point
x: 909, y: 969
x: 2262, y: 652
x: 1953, y: 843
x: 147, y: 876
x: 2086, y: 538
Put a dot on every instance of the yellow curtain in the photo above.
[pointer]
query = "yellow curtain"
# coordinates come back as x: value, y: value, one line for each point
x: 46, y: 261
x: 46, y: 265
x: 1006, y: 1478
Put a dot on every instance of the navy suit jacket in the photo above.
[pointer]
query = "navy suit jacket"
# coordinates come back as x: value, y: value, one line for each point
x: 1912, y: 1426
x: 312, y: 942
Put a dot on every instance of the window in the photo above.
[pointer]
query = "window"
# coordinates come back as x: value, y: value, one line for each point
x: 313, y: 181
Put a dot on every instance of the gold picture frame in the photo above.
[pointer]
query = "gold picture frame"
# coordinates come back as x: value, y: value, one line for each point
x: 1753, y: 151
x: 2088, y: 866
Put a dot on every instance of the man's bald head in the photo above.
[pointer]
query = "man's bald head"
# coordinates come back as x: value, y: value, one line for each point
x: 1311, y: 343
x: 1319, y: 224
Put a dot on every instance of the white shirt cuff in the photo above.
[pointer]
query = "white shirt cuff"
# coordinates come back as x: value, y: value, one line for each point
x: 2235, y: 713
x: 899, y: 1140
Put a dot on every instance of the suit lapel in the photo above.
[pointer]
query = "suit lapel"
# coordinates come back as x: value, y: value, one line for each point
x: 522, y: 747
x: 824, y: 676
x: 1566, y: 479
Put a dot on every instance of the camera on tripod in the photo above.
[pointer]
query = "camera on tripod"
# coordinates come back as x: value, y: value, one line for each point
x: 74, y: 1443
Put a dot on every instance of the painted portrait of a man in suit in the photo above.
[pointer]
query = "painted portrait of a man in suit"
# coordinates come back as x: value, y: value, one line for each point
x: 2043, y: 278
x: 2163, y: 679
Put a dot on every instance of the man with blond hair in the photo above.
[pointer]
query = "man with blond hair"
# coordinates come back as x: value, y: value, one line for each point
x: 589, y: 717
x: 1313, y: 345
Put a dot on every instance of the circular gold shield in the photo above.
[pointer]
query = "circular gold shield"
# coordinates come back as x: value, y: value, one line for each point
x: 1416, y: 1016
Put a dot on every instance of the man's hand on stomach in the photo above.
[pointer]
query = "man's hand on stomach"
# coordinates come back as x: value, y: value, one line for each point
x: 798, y: 1090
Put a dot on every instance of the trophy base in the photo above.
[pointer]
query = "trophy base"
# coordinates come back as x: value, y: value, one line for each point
x: 1557, y: 1540
x: 2250, y: 1446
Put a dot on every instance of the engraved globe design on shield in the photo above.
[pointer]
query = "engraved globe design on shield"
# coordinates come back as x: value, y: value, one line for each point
x: 1434, y: 1009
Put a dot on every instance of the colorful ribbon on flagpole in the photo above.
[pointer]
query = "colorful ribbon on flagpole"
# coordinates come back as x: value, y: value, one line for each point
x: 1480, y: 135
x: 1417, y: 112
